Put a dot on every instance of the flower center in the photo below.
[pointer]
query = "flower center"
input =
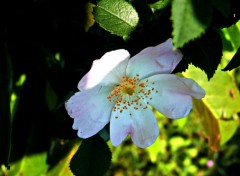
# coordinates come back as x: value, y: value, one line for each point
x: 127, y: 87
x: 128, y: 90
x: 131, y: 92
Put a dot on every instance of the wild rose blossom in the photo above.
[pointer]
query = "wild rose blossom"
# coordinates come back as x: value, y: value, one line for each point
x: 121, y: 91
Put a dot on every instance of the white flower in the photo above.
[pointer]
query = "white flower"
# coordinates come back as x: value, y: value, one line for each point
x: 121, y: 90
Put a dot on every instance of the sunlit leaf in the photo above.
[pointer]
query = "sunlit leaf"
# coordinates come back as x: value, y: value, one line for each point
x: 34, y: 165
x: 161, y: 4
x: 222, y: 94
x: 227, y: 129
x: 233, y: 34
x: 116, y: 16
x: 190, y: 19
x: 221, y: 101
x: 209, y: 124
x: 93, y: 157
x: 62, y: 167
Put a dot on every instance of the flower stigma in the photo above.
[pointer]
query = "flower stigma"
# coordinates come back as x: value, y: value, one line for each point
x: 131, y: 92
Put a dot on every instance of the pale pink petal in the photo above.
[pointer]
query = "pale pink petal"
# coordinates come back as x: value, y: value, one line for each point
x: 106, y: 71
x: 154, y: 60
x: 172, y: 95
x: 90, y: 109
x: 141, y: 124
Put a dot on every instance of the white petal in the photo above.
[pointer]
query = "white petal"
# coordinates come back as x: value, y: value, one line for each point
x: 106, y: 71
x: 172, y: 94
x: 90, y: 109
x: 141, y: 124
x: 154, y: 60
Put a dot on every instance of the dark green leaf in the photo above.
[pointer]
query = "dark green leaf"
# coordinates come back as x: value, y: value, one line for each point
x: 93, y: 158
x: 235, y: 61
x: 226, y: 14
x: 116, y: 16
x: 205, y: 52
x: 5, y: 98
x: 51, y: 97
x: 190, y: 19
x: 223, y: 6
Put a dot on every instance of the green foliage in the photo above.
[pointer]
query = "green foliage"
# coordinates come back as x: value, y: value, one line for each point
x: 61, y: 155
x: 221, y: 102
x: 190, y: 19
x: 232, y: 33
x: 93, y: 158
x: 34, y: 165
x: 223, y: 6
x: 209, y: 124
x: 202, y: 53
x: 161, y: 4
x: 116, y: 16
x: 229, y: 126
x: 222, y: 94
x: 235, y: 61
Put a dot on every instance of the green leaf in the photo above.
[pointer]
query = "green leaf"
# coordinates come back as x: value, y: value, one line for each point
x: 205, y: 52
x: 5, y: 98
x: 190, y: 19
x: 233, y: 33
x: 60, y: 166
x: 235, y: 61
x: 89, y: 21
x: 161, y: 4
x: 223, y: 6
x: 93, y: 158
x: 34, y: 165
x: 222, y: 94
x: 221, y: 101
x: 158, y: 147
x: 227, y: 128
x: 50, y: 96
x: 116, y: 16
x: 209, y: 124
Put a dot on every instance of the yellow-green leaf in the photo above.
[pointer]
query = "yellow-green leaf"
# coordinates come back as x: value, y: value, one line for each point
x: 227, y: 129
